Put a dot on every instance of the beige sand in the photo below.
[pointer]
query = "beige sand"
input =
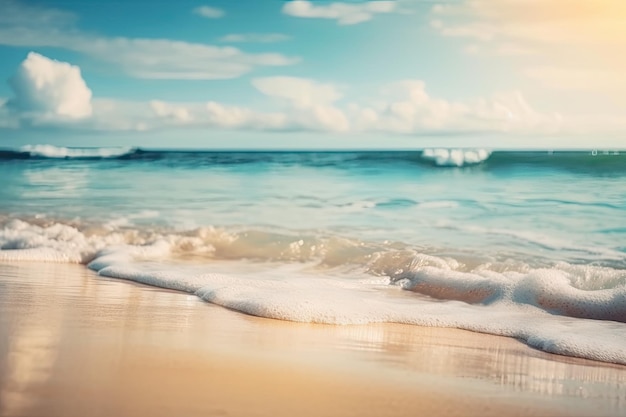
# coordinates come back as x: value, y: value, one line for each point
x: 74, y: 344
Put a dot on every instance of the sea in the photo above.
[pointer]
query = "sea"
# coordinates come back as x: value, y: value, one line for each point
x: 524, y: 244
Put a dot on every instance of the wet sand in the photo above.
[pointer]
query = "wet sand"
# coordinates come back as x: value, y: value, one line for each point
x: 75, y: 344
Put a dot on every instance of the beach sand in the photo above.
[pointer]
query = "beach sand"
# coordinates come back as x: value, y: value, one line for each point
x: 75, y: 344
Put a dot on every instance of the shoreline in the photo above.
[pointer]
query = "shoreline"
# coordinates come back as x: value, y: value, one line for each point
x: 73, y: 343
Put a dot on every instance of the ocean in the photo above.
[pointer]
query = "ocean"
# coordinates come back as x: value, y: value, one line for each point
x: 524, y: 244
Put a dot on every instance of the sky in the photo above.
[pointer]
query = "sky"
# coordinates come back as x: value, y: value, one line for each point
x: 313, y: 74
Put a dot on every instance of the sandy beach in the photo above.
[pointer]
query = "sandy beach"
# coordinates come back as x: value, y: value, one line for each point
x: 75, y: 344
x: 299, y: 208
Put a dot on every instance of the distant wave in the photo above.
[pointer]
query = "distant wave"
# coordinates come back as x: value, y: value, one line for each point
x: 584, y: 162
x: 56, y: 152
x: 50, y: 151
x: 456, y: 157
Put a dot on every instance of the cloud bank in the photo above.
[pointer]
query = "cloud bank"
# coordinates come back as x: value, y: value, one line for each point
x: 49, y: 92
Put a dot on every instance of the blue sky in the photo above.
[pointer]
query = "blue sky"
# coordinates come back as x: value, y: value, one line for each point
x: 310, y: 74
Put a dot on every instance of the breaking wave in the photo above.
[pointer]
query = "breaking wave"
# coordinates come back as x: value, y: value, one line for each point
x: 586, y: 162
x: 456, y: 157
x: 575, y: 310
x: 55, y: 152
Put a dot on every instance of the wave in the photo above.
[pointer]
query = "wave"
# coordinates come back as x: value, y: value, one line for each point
x: 609, y: 162
x: 575, y: 310
x: 456, y: 157
x: 76, y: 242
x: 55, y: 152
x: 585, y: 162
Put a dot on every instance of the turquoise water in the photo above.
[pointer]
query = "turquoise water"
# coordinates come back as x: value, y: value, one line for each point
x: 468, y: 238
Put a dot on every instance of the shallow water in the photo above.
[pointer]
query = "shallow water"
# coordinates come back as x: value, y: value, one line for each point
x: 522, y: 244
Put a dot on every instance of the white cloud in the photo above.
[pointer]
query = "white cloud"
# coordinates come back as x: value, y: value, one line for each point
x: 302, y: 92
x: 153, y: 58
x: 121, y: 115
x: 406, y: 108
x: 343, y: 13
x: 233, y: 117
x: 49, y: 92
x: 48, y: 89
x: 165, y: 110
x: 209, y: 12
x: 166, y: 59
x: 401, y: 108
x: 321, y: 118
x: 309, y: 104
x: 154, y: 115
x: 254, y: 38
x: 138, y: 57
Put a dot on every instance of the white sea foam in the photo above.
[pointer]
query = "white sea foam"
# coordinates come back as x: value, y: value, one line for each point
x: 50, y: 151
x: 577, y: 310
x: 299, y: 296
x: 456, y: 157
x: 56, y: 243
